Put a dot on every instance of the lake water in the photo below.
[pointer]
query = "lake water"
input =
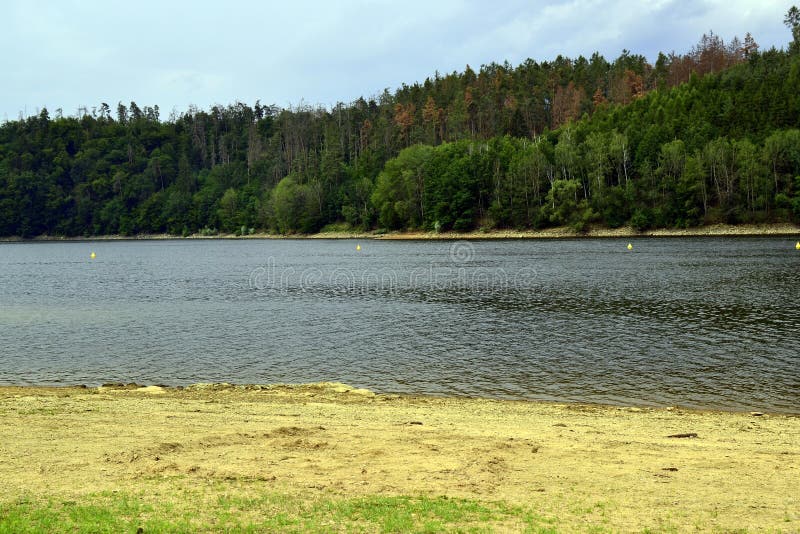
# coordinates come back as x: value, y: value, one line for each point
x: 696, y: 322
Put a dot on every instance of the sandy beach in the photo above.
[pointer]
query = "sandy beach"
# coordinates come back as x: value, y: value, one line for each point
x: 561, y: 467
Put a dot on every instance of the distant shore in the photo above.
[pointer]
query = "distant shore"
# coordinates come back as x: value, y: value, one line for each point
x: 625, y: 231
x: 716, y: 230
x: 308, y: 451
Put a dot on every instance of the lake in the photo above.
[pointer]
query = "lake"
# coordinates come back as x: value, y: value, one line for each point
x: 696, y: 322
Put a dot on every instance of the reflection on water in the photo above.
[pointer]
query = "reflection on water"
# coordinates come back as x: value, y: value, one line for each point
x: 704, y: 322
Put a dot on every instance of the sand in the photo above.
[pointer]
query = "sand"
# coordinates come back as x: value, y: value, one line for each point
x: 617, y: 466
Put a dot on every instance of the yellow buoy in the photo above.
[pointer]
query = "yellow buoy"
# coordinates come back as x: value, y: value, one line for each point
x: 358, y: 247
x: 797, y: 246
x: 630, y: 247
x: 93, y: 255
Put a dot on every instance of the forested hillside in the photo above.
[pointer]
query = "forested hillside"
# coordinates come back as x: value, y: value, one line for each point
x: 708, y: 136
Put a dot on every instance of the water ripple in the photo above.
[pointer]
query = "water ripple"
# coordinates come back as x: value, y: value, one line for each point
x: 694, y: 322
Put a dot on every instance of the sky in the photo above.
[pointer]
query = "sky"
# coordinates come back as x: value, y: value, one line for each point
x: 175, y: 53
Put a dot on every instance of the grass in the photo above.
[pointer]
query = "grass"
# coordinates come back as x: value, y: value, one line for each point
x: 122, y: 512
x: 230, y: 508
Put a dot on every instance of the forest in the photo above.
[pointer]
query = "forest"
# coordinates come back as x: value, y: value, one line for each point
x: 708, y: 136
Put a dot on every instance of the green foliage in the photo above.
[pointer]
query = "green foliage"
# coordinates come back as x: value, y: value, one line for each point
x: 399, y: 190
x: 295, y: 207
x: 641, y: 220
x: 567, y: 207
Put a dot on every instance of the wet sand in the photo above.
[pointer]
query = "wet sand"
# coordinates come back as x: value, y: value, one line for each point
x: 623, y: 468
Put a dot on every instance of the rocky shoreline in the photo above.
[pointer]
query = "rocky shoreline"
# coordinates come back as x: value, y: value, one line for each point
x: 717, y: 230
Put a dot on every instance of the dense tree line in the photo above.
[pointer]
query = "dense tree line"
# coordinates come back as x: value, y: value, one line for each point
x: 697, y: 138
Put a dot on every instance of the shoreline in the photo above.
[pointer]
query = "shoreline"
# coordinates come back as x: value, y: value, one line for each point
x: 226, y: 386
x: 538, y: 465
x: 716, y: 230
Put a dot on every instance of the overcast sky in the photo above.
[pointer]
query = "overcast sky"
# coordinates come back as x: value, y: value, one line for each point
x: 71, y: 53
